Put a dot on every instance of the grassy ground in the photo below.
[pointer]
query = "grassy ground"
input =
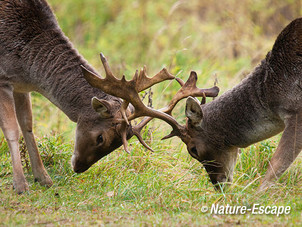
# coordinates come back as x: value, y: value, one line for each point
x: 164, y: 188
x: 168, y: 187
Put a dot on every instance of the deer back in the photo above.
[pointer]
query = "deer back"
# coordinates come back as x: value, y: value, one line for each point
x: 35, y: 55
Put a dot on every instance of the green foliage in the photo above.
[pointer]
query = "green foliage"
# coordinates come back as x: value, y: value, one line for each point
x: 223, y: 39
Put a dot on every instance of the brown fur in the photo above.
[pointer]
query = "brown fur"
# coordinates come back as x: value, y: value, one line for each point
x: 267, y: 102
x: 35, y: 55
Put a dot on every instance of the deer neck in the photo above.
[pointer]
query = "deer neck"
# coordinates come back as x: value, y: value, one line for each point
x: 53, y: 69
x: 243, y: 115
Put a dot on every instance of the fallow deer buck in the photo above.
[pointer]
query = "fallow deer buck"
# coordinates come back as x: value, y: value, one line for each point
x: 35, y: 55
x: 264, y: 104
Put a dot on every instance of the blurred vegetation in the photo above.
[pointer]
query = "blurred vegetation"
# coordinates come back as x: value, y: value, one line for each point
x: 223, y: 39
x: 179, y: 34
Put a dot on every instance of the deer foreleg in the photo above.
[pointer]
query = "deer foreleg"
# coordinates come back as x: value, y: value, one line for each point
x: 24, y: 116
x: 9, y: 125
x: 288, y: 149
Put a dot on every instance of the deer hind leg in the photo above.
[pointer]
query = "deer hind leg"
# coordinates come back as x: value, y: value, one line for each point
x: 10, y: 128
x: 288, y: 149
x: 24, y: 116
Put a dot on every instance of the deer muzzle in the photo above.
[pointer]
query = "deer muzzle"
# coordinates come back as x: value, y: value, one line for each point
x: 78, y: 166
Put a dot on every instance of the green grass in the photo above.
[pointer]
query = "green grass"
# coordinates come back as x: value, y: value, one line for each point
x: 163, y: 188
x: 167, y: 187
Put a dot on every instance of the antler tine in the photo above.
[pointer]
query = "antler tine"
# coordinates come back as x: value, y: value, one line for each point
x: 187, y: 89
x: 140, y: 139
x: 143, y: 81
x: 194, y: 91
x: 123, y: 132
x: 123, y: 111
x: 180, y: 81
x: 106, y: 66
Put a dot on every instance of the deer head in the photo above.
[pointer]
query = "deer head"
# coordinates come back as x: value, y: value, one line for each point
x: 219, y: 161
x: 95, y: 143
x: 201, y: 145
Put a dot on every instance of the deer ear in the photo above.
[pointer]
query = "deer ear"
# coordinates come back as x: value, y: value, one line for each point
x: 102, y: 107
x: 193, y: 111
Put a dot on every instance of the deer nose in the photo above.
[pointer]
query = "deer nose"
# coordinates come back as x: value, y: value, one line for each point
x: 215, y: 179
x: 78, y: 166
x: 221, y: 179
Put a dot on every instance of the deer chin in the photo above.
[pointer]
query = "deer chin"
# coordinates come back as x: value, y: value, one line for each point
x: 80, y: 168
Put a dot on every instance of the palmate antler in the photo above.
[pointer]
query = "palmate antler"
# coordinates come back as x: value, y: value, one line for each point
x: 128, y: 91
x: 187, y: 89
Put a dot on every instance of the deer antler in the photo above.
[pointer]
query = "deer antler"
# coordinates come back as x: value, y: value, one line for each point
x: 187, y: 89
x: 139, y: 82
x: 128, y: 91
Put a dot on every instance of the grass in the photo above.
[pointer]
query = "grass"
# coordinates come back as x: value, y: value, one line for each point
x: 167, y: 187
x: 163, y: 188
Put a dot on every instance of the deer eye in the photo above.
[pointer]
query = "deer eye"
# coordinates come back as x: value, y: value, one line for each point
x: 99, y: 139
x: 194, y: 151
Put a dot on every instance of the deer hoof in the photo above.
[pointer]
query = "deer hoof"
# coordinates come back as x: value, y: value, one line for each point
x: 44, y: 180
x: 20, y: 188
